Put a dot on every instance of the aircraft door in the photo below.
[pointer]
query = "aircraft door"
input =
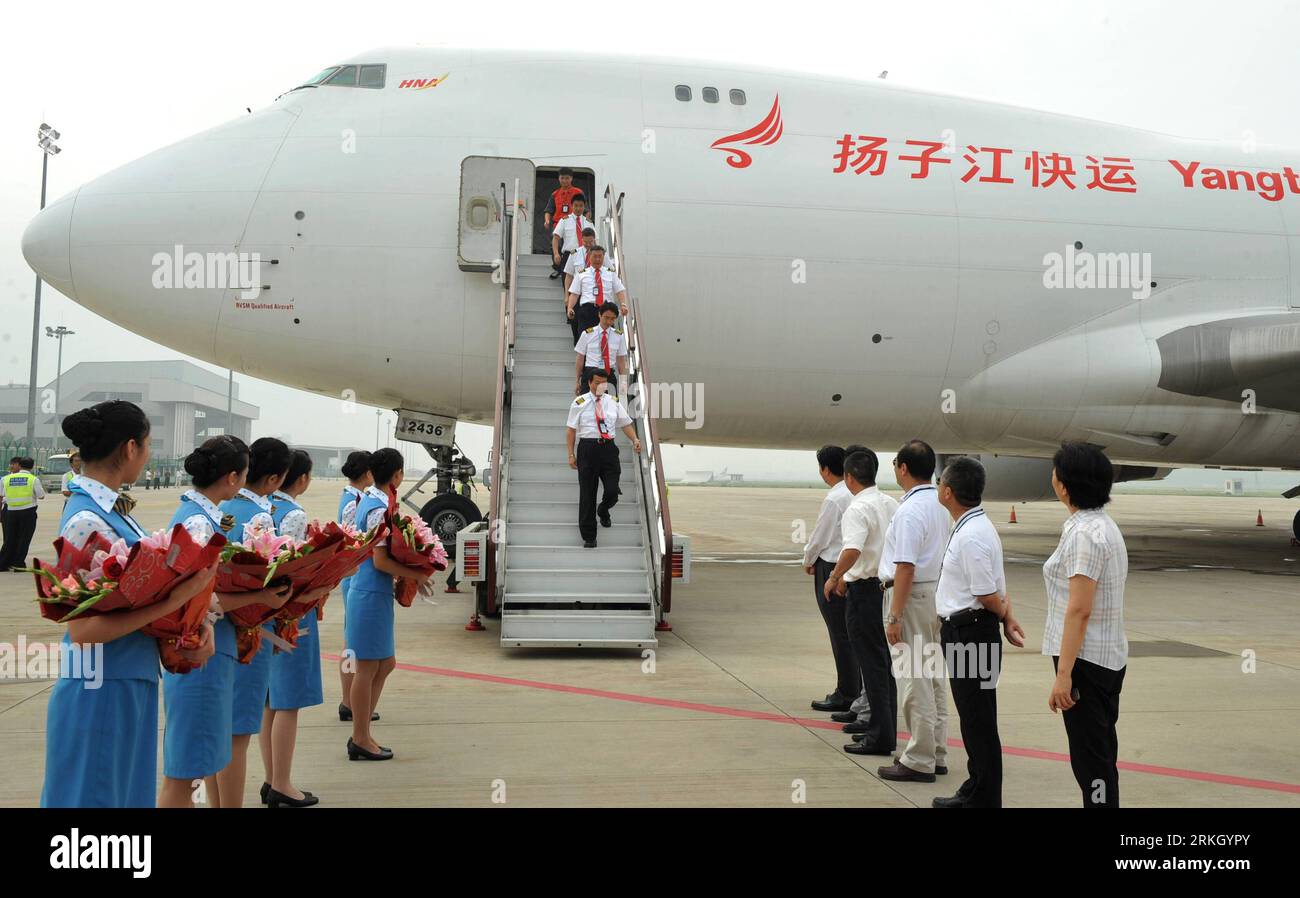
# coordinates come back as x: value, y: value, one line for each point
x: 483, y: 202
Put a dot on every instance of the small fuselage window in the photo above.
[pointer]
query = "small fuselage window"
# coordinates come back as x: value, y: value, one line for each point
x: 683, y: 92
x: 737, y: 97
x: 710, y: 94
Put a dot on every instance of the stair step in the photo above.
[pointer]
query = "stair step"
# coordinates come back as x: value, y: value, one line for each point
x: 560, y: 472
x: 533, y: 511
x: 582, y: 583
x: 573, y: 629
x: 557, y: 401
x: 526, y: 369
x: 603, y: 557
x: 565, y: 356
x: 567, y: 535
x: 544, y: 383
x: 557, y: 491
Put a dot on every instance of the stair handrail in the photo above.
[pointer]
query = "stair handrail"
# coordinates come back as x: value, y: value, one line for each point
x: 649, y: 467
x: 496, y: 559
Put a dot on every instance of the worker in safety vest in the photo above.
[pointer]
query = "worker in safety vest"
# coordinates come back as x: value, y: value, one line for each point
x: 19, y: 490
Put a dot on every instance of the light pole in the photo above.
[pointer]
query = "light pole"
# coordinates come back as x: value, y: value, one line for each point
x: 58, y: 333
x: 45, y: 139
x: 379, y: 415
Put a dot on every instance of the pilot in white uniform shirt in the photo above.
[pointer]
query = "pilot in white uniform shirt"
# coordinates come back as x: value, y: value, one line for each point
x: 584, y: 286
x: 577, y: 262
x: 602, y: 347
x: 569, y: 230
x: 594, y: 420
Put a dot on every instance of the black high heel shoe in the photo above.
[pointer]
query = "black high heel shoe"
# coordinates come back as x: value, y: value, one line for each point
x: 280, y: 800
x: 357, y: 753
x: 345, y: 713
x: 266, y: 790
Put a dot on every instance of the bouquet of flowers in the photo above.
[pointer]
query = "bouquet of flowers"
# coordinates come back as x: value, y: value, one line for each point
x: 353, y: 549
x: 322, y: 545
x: 412, y: 543
x: 263, y: 559
x: 102, y: 577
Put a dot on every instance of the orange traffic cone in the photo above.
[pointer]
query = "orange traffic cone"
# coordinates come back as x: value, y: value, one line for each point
x: 1259, y: 518
x: 1013, y: 515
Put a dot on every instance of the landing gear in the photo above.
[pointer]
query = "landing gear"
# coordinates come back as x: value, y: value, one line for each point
x: 447, y: 515
x: 1295, y: 526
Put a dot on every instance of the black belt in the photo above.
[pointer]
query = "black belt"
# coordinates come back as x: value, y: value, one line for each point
x: 969, y: 616
x: 596, y: 440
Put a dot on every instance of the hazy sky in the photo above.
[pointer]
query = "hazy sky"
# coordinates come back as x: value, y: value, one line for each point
x: 121, y: 79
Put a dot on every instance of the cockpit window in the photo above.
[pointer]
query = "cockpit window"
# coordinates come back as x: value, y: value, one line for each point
x: 346, y: 76
x: 322, y: 76
x: 368, y: 76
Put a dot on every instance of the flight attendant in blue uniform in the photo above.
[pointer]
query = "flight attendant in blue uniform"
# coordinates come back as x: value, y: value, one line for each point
x: 295, y: 675
x: 101, y: 723
x: 369, y: 623
x: 357, y: 470
x: 199, y: 704
x: 252, y: 506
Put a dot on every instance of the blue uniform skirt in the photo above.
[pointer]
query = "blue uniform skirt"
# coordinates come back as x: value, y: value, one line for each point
x: 368, y: 626
x: 101, y: 745
x: 344, y: 584
x: 252, y: 683
x: 295, y: 676
x: 199, y: 707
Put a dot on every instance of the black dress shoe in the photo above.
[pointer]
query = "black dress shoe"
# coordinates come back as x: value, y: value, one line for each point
x: 900, y: 773
x: 939, y: 769
x: 955, y: 801
x: 357, y: 753
x: 345, y: 713
x: 604, y: 519
x: 589, y: 544
x: 858, y: 726
x: 831, y: 703
x: 862, y: 748
x: 280, y: 800
x: 844, y: 716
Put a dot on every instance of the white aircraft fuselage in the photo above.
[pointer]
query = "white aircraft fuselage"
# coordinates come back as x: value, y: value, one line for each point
x: 817, y: 290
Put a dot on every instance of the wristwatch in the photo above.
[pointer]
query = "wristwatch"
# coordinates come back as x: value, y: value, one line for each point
x: 890, y: 620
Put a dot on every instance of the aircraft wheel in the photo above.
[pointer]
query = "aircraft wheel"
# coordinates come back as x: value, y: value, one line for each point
x: 1295, y: 525
x: 447, y: 515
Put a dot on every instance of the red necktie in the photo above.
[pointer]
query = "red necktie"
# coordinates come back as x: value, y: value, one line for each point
x: 600, y: 290
x: 604, y: 347
x: 600, y: 420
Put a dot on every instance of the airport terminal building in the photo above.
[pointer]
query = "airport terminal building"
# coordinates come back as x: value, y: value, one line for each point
x: 186, y: 404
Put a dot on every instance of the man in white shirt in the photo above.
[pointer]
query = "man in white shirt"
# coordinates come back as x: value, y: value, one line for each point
x: 819, y: 556
x: 603, y: 347
x: 863, y: 529
x: 592, y: 287
x: 971, y: 600
x: 576, y: 262
x: 593, y: 418
x: 566, y: 236
x: 913, y: 553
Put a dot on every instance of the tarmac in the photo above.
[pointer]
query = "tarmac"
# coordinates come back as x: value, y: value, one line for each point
x: 719, y: 714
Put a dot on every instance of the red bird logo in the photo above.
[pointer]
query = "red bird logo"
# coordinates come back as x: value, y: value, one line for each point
x: 765, y: 133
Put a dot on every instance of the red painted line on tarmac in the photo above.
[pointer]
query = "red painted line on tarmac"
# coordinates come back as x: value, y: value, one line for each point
x: 818, y: 723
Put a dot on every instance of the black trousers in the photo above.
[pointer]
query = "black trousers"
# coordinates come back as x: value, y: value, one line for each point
x: 864, y: 620
x: 848, y: 679
x: 1090, y: 730
x: 584, y: 316
x: 973, y: 653
x: 597, y: 464
x: 19, y: 528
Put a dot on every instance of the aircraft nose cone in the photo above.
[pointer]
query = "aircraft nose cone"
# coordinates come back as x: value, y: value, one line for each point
x: 46, y: 245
